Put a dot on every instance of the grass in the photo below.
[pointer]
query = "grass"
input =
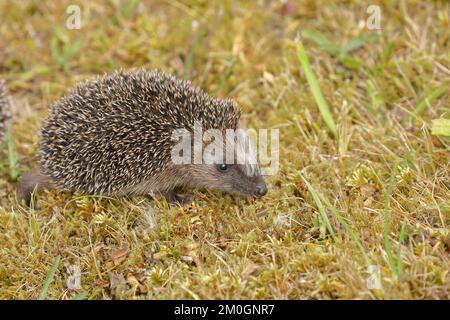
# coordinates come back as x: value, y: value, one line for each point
x: 320, y: 207
x: 315, y: 89
x: 337, y: 213
x: 49, y: 279
x: 14, y: 173
x: 387, y: 206
x: 435, y: 94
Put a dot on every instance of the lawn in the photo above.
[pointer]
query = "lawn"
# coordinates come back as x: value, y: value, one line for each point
x: 360, y: 205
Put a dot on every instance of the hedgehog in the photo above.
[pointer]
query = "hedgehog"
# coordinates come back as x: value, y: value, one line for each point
x: 114, y: 136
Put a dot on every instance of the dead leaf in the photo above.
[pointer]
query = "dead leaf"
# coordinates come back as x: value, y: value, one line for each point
x: 368, y: 202
x: 102, y: 283
x: 137, y: 281
x: 99, y: 247
x: 190, y: 253
x: 368, y: 190
x: 132, y: 281
x: 119, y: 255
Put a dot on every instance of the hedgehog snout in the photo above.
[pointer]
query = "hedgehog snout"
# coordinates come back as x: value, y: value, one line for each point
x: 261, y: 189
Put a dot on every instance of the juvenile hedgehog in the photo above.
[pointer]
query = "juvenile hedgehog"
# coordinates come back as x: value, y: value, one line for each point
x: 113, y: 136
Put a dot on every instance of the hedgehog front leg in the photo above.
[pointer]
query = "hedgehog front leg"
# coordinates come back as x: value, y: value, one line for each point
x: 175, y: 199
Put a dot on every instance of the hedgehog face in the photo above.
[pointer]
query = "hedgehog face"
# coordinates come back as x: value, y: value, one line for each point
x: 241, y: 179
x: 240, y: 176
x: 229, y: 178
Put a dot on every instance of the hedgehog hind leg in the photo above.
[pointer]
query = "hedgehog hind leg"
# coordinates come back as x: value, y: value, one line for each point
x: 30, y: 184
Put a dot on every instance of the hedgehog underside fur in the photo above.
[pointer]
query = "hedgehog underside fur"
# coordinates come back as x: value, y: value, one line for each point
x: 113, y: 134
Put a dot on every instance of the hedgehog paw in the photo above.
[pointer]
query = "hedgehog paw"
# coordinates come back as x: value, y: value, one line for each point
x: 174, y: 199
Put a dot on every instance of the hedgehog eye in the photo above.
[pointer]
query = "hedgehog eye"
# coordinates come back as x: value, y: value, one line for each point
x: 223, y: 167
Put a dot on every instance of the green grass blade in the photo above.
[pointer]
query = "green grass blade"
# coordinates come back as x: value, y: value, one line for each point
x: 440, y: 127
x: 94, y: 293
x: 433, y: 96
x: 315, y: 89
x: 225, y: 77
x: 81, y: 296
x: 14, y: 173
x: 387, y: 205
x: 316, y: 36
x: 128, y: 8
x: 190, y: 56
x: 70, y: 51
x: 320, y: 39
x: 351, y: 63
x: 49, y: 279
x: 320, y: 206
x: 350, y: 232
x: 318, y: 198
x: 56, y: 54
x: 356, y: 43
x: 376, y: 99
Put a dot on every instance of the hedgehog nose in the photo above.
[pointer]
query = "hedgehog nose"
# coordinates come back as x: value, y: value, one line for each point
x: 261, y: 190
